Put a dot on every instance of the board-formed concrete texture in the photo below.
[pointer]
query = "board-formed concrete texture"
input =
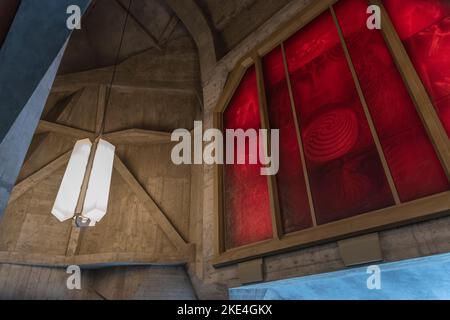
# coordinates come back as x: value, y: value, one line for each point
x: 113, y: 283
x: 159, y: 213
x: 426, y: 278
x: 156, y: 102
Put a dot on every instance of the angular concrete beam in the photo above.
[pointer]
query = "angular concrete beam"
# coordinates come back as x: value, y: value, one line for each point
x: 158, y: 216
x: 140, y: 25
x: 46, y: 126
x: 99, y: 260
x: 39, y: 176
x: 138, y: 137
x: 13, y: 148
x: 29, y: 60
x: 102, y: 76
x: 198, y: 26
x: 36, y: 37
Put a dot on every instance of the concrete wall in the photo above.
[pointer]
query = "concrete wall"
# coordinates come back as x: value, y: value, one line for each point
x: 116, y: 283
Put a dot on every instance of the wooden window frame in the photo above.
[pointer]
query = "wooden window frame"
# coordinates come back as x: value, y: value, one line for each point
x: 399, y: 214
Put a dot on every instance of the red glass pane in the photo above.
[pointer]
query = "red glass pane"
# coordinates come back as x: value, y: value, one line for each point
x: 293, y: 197
x: 246, y: 198
x: 424, y: 27
x: 346, y: 174
x: 411, y: 158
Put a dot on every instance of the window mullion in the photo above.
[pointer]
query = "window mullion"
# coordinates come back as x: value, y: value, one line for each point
x: 218, y: 192
x: 299, y: 139
x: 372, y: 128
x: 277, y: 225
x: 416, y: 89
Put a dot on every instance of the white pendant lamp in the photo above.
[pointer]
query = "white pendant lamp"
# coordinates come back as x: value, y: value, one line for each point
x: 84, y: 191
x: 70, y: 189
x: 97, y: 195
x: 77, y: 177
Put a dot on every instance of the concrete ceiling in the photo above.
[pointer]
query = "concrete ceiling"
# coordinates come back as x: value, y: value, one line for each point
x: 154, y: 23
x: 233, y: 20
x: 222, y: 13
x: 151, y: 24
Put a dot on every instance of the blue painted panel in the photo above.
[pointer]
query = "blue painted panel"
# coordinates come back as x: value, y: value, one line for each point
x: 423, y: 278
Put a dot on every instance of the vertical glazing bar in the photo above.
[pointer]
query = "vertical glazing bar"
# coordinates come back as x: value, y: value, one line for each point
x: 277, y: 225
x: 218, y: 191
x: 416, y: 89
x: 373, y: 130
x: 299, y: 139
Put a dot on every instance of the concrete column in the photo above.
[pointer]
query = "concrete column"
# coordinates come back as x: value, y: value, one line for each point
x: 29, y: 60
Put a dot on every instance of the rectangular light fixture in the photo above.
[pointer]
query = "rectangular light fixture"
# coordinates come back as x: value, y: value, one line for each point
x: 96, y: 201
x: 69, y: 191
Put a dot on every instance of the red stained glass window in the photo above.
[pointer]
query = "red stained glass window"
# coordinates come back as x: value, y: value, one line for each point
x: 424, y: 28
x: 293, y: 197
x: 246, y: 197
x: 412, y: 160
x: 346, y: 174
x: 342, y: 162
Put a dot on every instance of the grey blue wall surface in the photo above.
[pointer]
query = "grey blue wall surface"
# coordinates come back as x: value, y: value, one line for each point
x: 14, y: 146
x: 29, y: 59
x: 426, y: 278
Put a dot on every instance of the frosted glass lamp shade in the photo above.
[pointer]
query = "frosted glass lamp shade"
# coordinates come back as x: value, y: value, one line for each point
x: 96, y: 201
x: 69, y: 191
